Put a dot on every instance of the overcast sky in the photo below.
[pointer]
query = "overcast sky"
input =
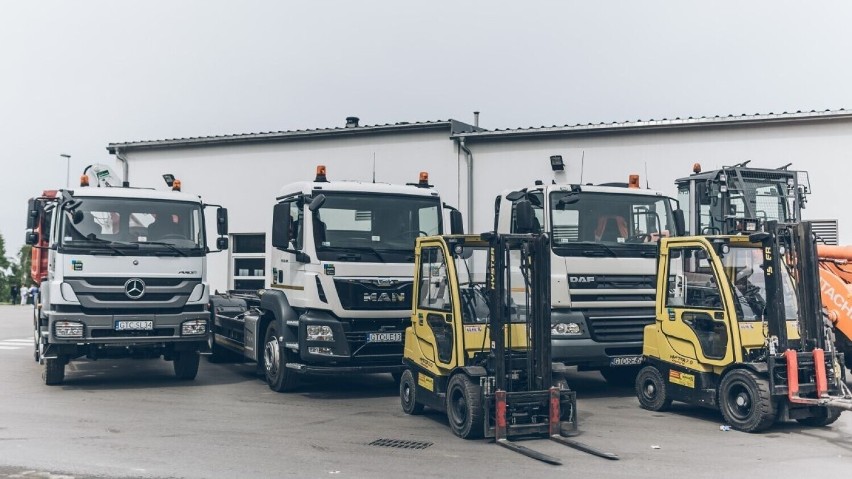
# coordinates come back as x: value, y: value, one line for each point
x: 75, y: 76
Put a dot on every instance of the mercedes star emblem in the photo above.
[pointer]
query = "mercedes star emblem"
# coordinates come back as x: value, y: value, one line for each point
x: 134, y: 288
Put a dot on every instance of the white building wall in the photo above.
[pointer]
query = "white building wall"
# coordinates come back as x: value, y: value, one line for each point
x: 246, y: 178
x: 822, y: 148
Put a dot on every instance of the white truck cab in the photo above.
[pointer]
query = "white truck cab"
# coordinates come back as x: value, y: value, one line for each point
x: 604, y: 243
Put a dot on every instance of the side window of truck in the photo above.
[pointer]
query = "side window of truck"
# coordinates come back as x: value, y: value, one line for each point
x: 434, y: 282
x: 297, y: 233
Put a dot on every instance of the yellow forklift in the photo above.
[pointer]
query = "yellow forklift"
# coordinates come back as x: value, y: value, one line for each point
x: 478, y: 347
x: 740, y: 327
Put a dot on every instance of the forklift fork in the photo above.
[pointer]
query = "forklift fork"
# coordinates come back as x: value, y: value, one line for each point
x: 821, y: 383
x: 501, y: 437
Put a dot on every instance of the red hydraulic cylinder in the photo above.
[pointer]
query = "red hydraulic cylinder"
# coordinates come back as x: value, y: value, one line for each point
x: 554, y: 411
x: 792, y: 375
x: 821, y: 378
x: 500, y: 431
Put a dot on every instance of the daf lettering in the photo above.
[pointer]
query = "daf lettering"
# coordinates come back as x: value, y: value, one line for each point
x: 581, y: 279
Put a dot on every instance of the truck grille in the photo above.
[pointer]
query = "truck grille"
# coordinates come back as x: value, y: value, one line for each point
x: 356, y: 294
x: 375, y: 352
x: 108, y: 293
x: 618, y: 326
x: 110, y: 333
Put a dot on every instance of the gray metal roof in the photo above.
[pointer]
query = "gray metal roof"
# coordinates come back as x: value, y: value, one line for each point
x: 452, y: 127
x: 665, y: 123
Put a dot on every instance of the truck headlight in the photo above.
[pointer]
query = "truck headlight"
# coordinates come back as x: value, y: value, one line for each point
x: 68, y: 329
x: 68, y: 293
x: 193, y: 327
x: 565, y: 329
x: 320, y: 333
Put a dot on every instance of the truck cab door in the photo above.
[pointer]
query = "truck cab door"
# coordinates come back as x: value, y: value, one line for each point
x: 697, y: 325
x: 434, y: 324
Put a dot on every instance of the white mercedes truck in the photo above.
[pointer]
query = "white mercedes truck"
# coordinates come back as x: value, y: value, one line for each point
x: 604, y: 243
x: 339, y: 296
x: 121, y: 272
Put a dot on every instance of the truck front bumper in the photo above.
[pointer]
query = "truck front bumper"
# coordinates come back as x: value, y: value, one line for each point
x: 590, y: 354
x: 344, y: 370
x: 103, y: 329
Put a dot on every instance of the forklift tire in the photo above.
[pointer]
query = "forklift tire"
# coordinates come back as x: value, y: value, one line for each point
x: 745, y: 401
x: 186, y: 364
x: 408, y: 394
x: 622, y: 376
x: 831, y: 415
x: 464, y: 407
x: 278, y: 377
x: 651, y: 389
x: 53, y: 372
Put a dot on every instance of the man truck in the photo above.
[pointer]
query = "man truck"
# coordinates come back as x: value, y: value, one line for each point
x: 340, y: 291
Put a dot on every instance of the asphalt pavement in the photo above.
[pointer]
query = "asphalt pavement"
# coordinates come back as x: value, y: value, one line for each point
x: 133, y: 418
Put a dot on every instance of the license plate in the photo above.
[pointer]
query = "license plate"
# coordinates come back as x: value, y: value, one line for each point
x: 625, y: 361
x: 134, y: 325
x: 384, y: 337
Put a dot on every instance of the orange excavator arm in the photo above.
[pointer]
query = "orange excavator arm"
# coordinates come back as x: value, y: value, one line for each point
x: 835, y: 278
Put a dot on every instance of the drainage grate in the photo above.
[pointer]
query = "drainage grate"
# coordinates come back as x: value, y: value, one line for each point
x: 399, y: 443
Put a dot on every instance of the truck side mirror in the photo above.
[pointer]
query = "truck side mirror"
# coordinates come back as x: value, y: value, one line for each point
x: 222, y: 243
x: 32, y: 238
x: 32, y: 214
x: 456, y: 222
x: 317, y: 202
x: 524, y: 217
x: 222, y: 221
x: 281, y: 226
x: 679, y: 222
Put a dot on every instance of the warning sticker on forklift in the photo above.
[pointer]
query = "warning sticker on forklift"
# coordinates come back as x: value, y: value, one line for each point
x: 683, y: 379
x: 425, y: 382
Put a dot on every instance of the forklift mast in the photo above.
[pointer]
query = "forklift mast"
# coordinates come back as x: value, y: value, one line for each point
x: 534, y: 265
x: 793, y: 246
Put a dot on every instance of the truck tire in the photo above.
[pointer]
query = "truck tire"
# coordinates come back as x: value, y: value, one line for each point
x: 622, y: 376
x: 745, y: 401
x: 408, y: 394
x: 464, y: 408
x: 186, y: 364
x: 831, y: 415
x: 278, y: 377
x: 53, y: 371
x: 651, y: 389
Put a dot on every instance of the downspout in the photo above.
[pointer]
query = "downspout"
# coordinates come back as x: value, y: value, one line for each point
x: 124, y: 167
x: 469, y: 158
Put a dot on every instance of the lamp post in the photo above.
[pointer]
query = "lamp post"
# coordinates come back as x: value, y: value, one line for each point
x: 67, y: 170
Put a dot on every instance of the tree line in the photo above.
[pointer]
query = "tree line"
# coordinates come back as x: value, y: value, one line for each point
x: 14, y: 271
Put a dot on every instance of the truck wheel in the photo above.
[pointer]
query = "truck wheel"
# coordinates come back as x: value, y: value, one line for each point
x: 53, y: 372
x: 622, y: 377
x: 464, y: 408
x: 651, y: 389
x: 278, y: 377
x: 830, y: 416
x: 745, y: 401
x: 408, y: 394
x: 186, y: 364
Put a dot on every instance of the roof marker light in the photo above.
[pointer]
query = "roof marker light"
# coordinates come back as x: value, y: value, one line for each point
x: 176, y: 185
x: 321, y: 177
x: 633, y: 181
x: 696, y: 168
x: 84, y: 180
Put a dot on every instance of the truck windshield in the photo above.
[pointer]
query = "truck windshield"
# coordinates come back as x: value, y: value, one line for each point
x: 743, y: 267
x: 373, y: 228
x: 121, y: 226
x: 608, y: 224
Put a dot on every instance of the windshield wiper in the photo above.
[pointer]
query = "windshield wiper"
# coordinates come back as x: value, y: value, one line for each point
x: 112, y: 245
x: 602, y: 248
x: 345, y: 256
x: 161, y: 243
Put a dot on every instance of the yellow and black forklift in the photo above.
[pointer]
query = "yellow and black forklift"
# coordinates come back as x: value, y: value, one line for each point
x: 740, y: 327
x: 478, y: 347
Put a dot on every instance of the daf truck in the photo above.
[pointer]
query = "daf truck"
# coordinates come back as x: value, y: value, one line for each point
x: 604, y: 243
x: 339, y: 296
x: 121, y: 272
